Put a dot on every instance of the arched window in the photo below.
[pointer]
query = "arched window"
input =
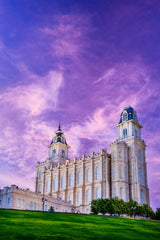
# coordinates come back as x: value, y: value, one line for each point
x: 62, y: 182
x: 114, y: 172
x: 97, y: 173
x: 39, y: 175
x: 78, y: 197
x: 88, y: 196
x: 97, y: 193
x: 54, y: 153
x: 63, y: 153
x: 120, y: 171
x: 125, y: 116
x: 54, y: 184
x: 114, y: 155
x: 88, y: 175
x: 139, y: 155
x: 79, y: 177
x: 114, y: 192
x: 70, y: 180
x: 140, y: 175
x: 141, y: 196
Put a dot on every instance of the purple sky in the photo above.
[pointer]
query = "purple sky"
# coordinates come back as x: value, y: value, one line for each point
x: 80, y: 63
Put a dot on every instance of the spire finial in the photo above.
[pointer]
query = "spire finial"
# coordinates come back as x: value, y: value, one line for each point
x: 59, y: 128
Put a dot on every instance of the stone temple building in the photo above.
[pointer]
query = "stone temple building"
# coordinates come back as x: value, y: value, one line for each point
x: 72, y: 185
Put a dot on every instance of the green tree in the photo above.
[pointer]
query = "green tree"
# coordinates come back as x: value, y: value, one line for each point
x: 94, y: 207
x: 157, y: 214
x: 130, y: 205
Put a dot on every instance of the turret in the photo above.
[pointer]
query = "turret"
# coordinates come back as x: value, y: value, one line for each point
x: 58, y: 149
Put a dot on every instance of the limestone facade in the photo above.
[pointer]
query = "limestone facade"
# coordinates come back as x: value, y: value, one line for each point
x: 23, y: 199
x: 72, y: 185
x: 121, y: 173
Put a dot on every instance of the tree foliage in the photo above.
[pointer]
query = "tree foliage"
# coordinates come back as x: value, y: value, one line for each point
x: 119, y: 207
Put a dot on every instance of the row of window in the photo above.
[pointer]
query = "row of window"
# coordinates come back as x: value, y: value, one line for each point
x: 54, y: 153
x: 126, y: 173
x: 127, y: 194
x: 120, y: 172
x: 125, y: 155
x: 70, y: 180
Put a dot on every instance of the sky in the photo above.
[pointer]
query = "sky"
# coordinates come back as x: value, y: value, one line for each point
x: 77, y: 62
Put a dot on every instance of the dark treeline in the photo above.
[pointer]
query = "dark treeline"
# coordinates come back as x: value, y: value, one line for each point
x: 119, y: 206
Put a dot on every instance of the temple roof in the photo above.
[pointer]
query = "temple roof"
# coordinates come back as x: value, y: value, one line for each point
x: 59, y: 137
x: 128, y: 114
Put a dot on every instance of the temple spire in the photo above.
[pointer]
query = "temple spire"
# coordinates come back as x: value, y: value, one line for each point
x: 59, y: 128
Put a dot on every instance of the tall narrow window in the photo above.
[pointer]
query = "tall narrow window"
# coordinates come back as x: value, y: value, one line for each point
x: 140, y: 175
x: 125, y: 117
x: 70, y: 197
x: 120, y: 171
x: 114, y: 155
x: 47, y: 186
x: 19, y: 203
x: 31, y: 206
x: 97, y: 193
x: 88, y: 196
x: 35, y: 205
x: 45, y: 208
x: 54, y: 153
x: 127, y: 195
x: 39, y: 188
x: 8, y: 202
x: 23, y: 203
x: 62, y: 182
x: 139, y: 156
x: 120, y: 154
x: 39, y: 175
x: 114, y: 172
x: 126, y: 173
x: 70, y: 180
x: 63, y: 153
x: 141, y: 196
x: 97, y: 173
x: 121, y: 192
x: 78, y: 197
x: 114, y: 192
x: 88, y: 175
x: 54, y: 184
x: 79, y: 177
x: 124, y: 132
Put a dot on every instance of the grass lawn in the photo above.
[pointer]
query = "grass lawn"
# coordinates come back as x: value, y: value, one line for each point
x: 43, y: 225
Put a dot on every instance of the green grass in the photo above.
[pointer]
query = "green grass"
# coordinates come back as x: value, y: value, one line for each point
x: 39, y: 225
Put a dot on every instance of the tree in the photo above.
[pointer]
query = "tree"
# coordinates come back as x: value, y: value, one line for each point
x: 157, y: 214
x: 130, y: 205
x: 94, y: 207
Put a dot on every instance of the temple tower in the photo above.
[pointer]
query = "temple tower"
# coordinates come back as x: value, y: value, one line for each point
x: 128, y: 164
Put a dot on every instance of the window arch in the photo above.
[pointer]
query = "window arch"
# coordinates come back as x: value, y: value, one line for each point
x: 88, y: 175
x: 79, y: 177
x: 125, y: 116
x: 70, y: 180
x: 97, y: 173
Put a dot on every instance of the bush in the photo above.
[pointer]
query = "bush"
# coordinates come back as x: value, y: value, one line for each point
x: 51, y: 209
